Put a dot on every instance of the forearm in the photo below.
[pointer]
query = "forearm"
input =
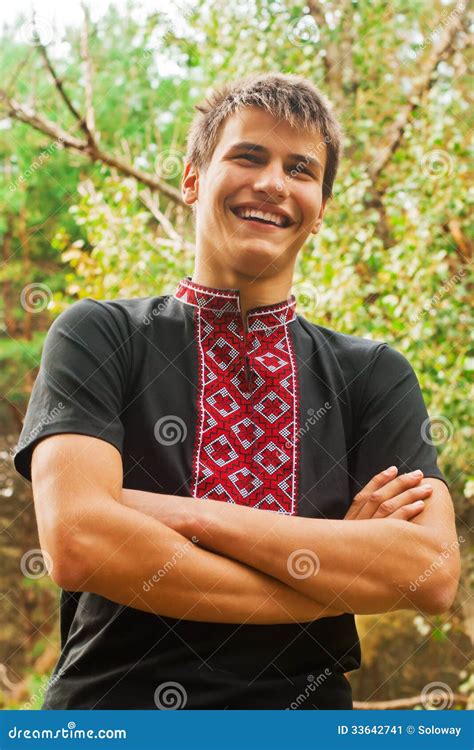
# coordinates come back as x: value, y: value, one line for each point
x: 363, y: 567
x: 137, y: 561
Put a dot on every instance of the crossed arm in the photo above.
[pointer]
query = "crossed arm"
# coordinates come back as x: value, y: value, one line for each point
x: 133, y: 547
x: 362, y: 566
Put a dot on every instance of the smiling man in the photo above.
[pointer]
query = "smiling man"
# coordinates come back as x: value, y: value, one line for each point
x: 224, y: 484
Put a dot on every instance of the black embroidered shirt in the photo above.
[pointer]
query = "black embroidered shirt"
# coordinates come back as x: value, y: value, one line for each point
x: 287, y: 416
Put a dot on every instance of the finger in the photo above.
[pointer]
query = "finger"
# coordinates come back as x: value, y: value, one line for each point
x: 392, y: 505
x: 401, y: 483
x: 378, y: 481
x: 390, y: 490
x: 409, y: 511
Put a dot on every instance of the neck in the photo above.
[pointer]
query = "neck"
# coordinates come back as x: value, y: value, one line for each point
x: 253, y: 292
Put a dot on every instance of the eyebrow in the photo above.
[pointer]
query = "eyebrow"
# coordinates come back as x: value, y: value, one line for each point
x: 265, y: 152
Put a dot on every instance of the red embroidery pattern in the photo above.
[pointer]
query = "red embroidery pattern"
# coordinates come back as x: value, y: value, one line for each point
x: 247, y: 438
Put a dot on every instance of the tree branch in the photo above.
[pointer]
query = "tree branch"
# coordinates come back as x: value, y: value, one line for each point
x: 90, y: 116
x: 462, y: 244
x: 338, y: 59
x: 29, y: 116
x: 59, y: 84
x: 417, y: 700
x: 422, y: 85
x: 374, y: 197
x: 175, y: 239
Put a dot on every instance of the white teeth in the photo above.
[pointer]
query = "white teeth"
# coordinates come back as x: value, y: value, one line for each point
x: 246, y: 213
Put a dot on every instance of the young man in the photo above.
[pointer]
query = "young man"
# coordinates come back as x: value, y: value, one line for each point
x: 210, y: 493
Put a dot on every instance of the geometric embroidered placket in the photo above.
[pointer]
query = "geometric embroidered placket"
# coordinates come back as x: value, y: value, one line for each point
x: 247, y: 446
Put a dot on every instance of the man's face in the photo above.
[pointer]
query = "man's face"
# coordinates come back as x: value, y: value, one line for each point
x: 279, y: 177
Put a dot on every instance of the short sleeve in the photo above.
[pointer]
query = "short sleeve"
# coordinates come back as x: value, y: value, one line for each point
x: 81, y: 381
x: 392, y: 425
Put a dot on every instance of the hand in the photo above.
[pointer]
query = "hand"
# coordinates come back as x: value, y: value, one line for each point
x: 389, y: 496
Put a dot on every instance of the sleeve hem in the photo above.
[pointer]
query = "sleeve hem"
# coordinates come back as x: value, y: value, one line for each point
x: 22, y: 459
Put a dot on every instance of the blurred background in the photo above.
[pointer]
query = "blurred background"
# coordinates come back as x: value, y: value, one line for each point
x: 95, y: 102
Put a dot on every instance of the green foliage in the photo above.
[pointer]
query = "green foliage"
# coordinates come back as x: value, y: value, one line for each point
x: 388, y: 263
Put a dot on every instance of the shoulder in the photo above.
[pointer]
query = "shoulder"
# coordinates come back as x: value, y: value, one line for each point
x: 366, y: 364
x: 123, y: 315
x: 350, y: 351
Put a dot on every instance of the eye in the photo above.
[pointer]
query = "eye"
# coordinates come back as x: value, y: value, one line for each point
x: 248, y: 157
x: 292, y: 170
x: 296, y: 172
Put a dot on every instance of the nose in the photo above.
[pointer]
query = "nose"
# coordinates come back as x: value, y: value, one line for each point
x: 271, y: 179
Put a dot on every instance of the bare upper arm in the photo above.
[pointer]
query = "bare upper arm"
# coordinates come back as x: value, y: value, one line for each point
x: 71, y: 473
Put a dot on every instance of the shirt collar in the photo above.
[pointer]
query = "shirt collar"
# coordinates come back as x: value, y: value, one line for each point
x: 227, y: 301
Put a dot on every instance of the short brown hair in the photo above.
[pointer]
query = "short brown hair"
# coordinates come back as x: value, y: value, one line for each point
x: 287, y: 97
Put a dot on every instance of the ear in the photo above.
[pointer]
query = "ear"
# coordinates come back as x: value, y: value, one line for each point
x: 190, y: 184
x: 319, y: 220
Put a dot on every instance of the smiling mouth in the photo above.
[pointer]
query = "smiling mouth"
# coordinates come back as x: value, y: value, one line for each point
x: 260, y: 223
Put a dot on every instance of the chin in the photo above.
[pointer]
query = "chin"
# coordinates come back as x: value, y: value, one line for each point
x: 256, y: 261
x: 263, y: 250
